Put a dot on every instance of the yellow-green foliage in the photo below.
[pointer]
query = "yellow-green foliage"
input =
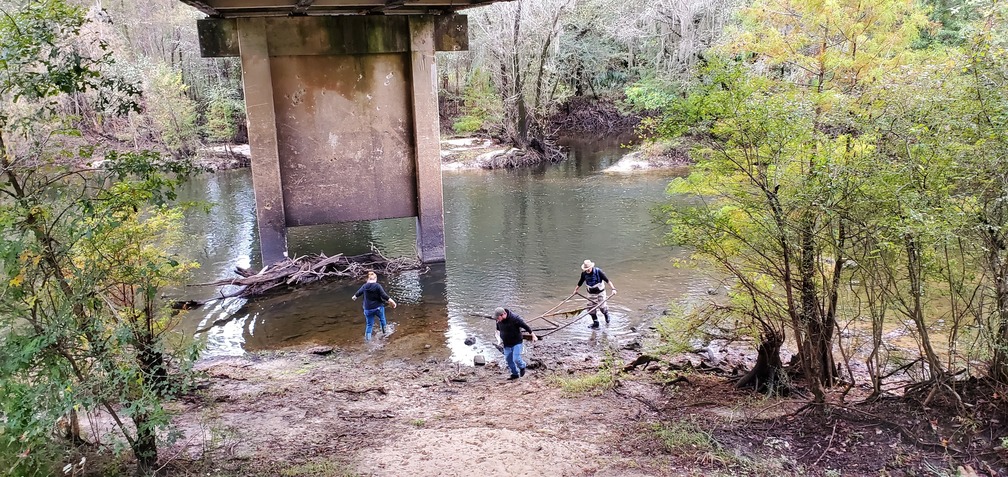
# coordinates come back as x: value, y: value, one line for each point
x: 223, y: 114
x: 483, y: 109
x: 171, y: 110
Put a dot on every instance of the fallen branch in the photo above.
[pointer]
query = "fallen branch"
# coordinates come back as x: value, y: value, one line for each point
x: 829, y: 445
x: 381, y: 391
x: 303, y: 270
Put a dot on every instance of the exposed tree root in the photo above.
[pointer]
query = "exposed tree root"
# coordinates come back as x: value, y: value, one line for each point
x: 538, y: 152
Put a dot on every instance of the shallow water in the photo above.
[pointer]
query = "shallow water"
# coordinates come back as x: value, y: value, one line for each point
x: 513, y: 238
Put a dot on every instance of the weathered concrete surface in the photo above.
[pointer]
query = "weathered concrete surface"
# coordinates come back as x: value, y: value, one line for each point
x: 430, y: 219
x: 345, y: 131
x: 342, y: 35
x: 262, y: 127
x: 343, y: 122
x: 282, y: 8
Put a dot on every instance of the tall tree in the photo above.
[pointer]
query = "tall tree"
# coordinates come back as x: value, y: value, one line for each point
x: 787, y: 153
x: 83, y: 249
x: 985, y: 134
x: 518, y: 39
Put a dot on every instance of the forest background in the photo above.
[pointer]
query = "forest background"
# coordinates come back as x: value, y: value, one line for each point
x: 851, y: 179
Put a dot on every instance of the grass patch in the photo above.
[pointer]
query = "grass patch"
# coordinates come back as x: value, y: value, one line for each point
x: 685, y: 437
x: 595, y: 383
x: 689, y: 439
x: 318, y: 468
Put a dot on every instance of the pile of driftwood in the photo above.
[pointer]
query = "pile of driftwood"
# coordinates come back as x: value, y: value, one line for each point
x: 307, y: 269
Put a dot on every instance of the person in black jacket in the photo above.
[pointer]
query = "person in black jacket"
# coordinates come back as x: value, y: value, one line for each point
x: 509, y: 326
x: 375, y: 299
x: 596, y: 281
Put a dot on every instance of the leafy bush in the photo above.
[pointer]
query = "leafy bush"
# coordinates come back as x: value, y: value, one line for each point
x: 483, y: 108
x: 172, y: 112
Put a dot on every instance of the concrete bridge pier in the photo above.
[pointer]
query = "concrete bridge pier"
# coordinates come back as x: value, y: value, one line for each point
x: 343, y: 119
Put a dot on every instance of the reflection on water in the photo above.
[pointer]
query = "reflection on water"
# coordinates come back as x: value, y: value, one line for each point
x: 514, y: 239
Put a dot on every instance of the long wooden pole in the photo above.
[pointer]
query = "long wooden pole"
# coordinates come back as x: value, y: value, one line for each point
x: 585, y: 313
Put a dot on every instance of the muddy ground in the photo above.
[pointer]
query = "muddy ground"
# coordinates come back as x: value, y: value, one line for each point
x: 576, y: 413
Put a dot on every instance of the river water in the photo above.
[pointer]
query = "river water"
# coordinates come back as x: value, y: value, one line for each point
x: 513, y: 238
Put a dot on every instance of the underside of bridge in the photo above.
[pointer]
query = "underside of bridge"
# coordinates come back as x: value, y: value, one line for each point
x: 251, y: 8
x: 342, y: 106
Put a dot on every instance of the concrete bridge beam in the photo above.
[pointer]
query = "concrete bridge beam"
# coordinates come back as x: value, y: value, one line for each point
x: 430, y: 233
x: 343, y: 119
x: 257, y: 81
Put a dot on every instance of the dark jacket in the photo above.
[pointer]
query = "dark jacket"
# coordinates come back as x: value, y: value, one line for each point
x: 374, y: 295
x: 510, y: 329
x: 593, y: 279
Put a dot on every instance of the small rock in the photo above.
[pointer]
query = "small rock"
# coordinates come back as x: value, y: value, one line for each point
x: 321, y: 350
x: 426, y: 346
x: 469, y: 341
x: 479, y: 360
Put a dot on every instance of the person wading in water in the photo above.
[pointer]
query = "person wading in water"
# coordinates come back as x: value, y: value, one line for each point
x: 596, y: 280
x: 375, y: 299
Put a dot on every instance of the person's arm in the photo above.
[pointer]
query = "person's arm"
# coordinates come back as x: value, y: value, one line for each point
x: 360, y: 291
x: 580, y: 282
x: 604, y: 278
x: 385, y: 297
x: 526, y: 327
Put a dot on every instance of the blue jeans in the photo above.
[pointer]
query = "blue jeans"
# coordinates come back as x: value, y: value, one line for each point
x: 369, y: 316
x: 512, y: 356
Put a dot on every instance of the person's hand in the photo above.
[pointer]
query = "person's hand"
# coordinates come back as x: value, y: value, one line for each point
x: 613, y: 291
x: 534, y: 337
x: 354, y: 298
x: 392, y: 302
x: 575, y: 290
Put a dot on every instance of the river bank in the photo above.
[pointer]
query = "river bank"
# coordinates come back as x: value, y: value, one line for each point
x: 579, y: 411
x: 478, y: 152
x: 366, y: 410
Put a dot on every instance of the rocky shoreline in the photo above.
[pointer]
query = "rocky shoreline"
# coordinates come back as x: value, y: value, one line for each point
x: 467, y: 154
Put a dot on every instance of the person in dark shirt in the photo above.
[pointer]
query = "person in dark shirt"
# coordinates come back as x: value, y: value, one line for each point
x: 509, y: 326
x: 596, y: 280
x: 375, y: 299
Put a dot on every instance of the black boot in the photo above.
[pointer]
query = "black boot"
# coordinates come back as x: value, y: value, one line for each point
x: 606, y: 317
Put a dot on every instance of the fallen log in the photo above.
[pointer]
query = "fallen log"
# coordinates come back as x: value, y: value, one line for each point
x: 307, y: 269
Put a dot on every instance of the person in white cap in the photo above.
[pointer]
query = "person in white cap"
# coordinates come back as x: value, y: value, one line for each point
x: 596, y: 280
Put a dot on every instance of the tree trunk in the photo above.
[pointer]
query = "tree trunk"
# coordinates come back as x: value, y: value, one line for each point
x: 765, y: 376
x: 542, y: 60
x: 818, y: 350
x: 145, y: 445
x: 1000, y: 367
x: 521, y: 120
x: 997, y: 261
x: 915, y: 269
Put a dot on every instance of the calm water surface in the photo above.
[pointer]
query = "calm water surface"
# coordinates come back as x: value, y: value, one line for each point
x: 514, y: 239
